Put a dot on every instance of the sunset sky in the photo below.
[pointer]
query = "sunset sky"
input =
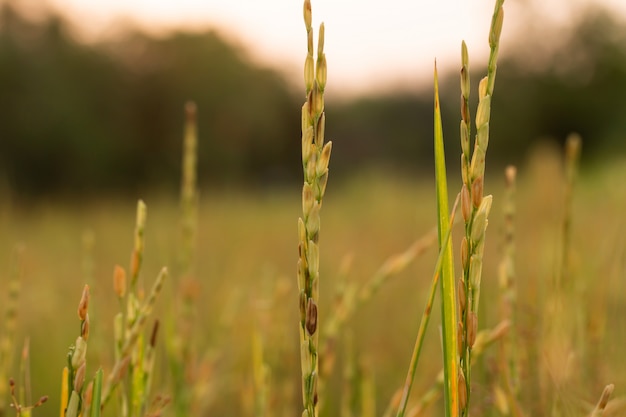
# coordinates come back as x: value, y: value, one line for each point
x: 370, y: 44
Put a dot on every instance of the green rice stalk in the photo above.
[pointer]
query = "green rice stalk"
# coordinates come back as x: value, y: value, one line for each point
x: 419, y: 341
x: 448, y: 299
x: 474, y: 206
x: 96, y: 394
x: 315, y: 159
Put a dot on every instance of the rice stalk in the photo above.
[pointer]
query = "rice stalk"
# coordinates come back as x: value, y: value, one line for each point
x: 315, y: 159
x: 7, y: 337
x: 261, y: 375
x: 74, y: 372
x: 474, y: 206
x: 130, y: 341
x: 133, y: 356
x: 180, y: 325
x: 508, y: 356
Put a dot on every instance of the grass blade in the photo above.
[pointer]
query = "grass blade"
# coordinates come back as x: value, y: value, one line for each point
x: 425, y: 319
x: 448, y: 299
x: 97, y: 393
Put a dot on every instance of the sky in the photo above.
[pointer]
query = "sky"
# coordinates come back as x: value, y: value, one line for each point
x: 371, y: 45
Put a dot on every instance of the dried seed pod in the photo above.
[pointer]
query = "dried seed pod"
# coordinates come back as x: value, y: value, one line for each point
x: 79, y: 378
x: 462, y: 391
x: 311, y: 317
x: 84, y: 328
x: 322, y: 163
x: 307, y: 199
x: 308, y: 14
x: 83, y: 305
x: 466, y: 208
x: 119, y: 281
x: 462, y: 296
x: 477, y: 191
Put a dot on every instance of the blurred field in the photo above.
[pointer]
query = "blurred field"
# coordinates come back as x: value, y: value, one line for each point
x: 247, y: 251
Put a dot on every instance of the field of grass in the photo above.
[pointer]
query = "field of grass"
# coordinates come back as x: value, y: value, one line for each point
x: 228, y: 304
x: 245, y: 289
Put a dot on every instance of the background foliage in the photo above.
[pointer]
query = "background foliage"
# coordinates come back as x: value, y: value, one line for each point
x: 83, y: 118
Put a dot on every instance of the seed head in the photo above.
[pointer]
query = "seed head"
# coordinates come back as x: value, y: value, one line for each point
x: 311, y: 317
x: 83, y: 305
x: 119, y: 281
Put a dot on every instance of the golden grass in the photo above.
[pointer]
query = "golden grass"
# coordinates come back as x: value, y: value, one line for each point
x: 370, y: 230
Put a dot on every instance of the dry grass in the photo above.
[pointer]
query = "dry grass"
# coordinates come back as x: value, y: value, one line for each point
x: 370, y: 233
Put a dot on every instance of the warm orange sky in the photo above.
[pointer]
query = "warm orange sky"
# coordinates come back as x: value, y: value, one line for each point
x: 370, y: 44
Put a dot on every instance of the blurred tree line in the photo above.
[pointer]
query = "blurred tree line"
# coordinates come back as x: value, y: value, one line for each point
x: 78, y: 118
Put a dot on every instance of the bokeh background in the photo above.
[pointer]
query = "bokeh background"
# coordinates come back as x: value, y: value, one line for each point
x: 91, y: 119
x: 92, y: 92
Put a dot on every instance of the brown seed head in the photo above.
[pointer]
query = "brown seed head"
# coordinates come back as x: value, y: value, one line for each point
x: 83, y: 305
x: 119, y: 281
x: 155, y: 331
x: 460, y: 286
x: 84, y: 328
x: 477, y: 191
x: 466, y: 208
x: 88, y: 394
x: 40, y: 401
x: 462, y: 391
x: 464, y: 253
x: 311, y: 317
x: 308, y: 14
